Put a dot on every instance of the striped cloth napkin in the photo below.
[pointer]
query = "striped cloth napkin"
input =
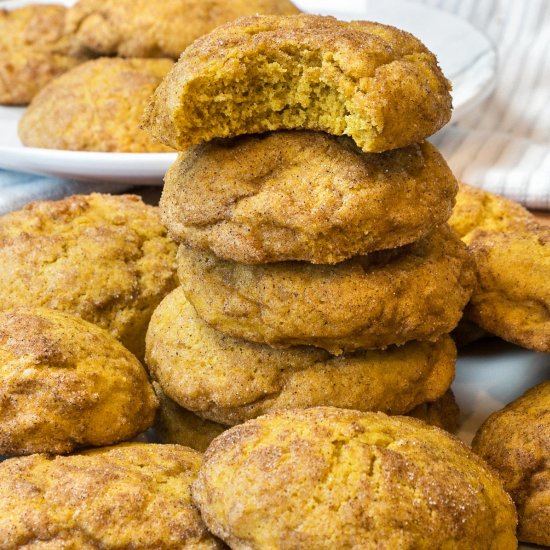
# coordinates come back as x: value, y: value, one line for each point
x: 504, y: 145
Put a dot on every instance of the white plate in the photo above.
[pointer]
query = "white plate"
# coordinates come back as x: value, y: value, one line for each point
x: 466, y: 56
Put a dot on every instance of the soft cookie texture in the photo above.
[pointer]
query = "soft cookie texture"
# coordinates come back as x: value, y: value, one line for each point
x: 229, y: 380
x: 302, y: 195
x: 334, y: 478
x: 35, y: 49
x: 104, y: 258
x: 512, y: 254
x: 95, y: 107
x: 372, y: 82
x: 515, y: 441
x: 127, y: 496
x: 66, y: 383
x: 141, y: 28
x: 367, y: 302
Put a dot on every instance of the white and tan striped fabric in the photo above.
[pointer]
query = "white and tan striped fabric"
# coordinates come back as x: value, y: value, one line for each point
x: 503, y: 146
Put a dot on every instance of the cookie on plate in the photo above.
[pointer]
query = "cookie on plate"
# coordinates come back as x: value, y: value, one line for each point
x: 126, y: 496
x: 515, y: 441
x: 141, y: 28
x: 377, y: 84
x: 104, y: 258
x: 368, y: 302
x: 334, y: 478
x: 512, y: 254
x: 229, y: 380
x: 96, y: 106
x: 304, y: 195
x: 65, y: 383
x: 35, y: 50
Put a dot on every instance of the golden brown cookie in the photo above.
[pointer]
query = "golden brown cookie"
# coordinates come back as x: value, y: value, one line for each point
x: 304, y: 196
x: 368, y: 302
x: 127, y: 496
x: 35, y: 49
x: 104, y: 258
x: 141, y: 28
x: 512, y: 253
x: 174, y: 424
x: 95, y: 107
x: 515, y: 441
x: 228, y: 380
x: 65, y: 383
x: 334, y: 478
x: 374, y: 83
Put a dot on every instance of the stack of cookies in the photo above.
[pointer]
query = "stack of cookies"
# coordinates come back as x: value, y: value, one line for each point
x: 315, y: 264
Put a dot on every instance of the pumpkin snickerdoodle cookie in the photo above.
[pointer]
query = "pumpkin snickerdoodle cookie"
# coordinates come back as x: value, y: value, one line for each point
x: 35, y: 49
x: 515, y: 441
x: 104, y: 258
x: 228, y: 380
x: 141, y: 28
x: 334, y: 478
x: 512, y: 254
x: 95, y: 107
x: 125, y: 496
x: 65, y: 383
x: 368, y: 302
x: 302, y: 195
x: 377, y: 84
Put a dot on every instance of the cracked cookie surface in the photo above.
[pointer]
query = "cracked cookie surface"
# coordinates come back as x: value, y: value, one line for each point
x: 301, y: 195
x: 515, y: 441
x: 335, y: 478
x: 126, y: 496
x: 228, y: 380
x: 512, y: 254
x: 104, y: 258
x: 377, y: 84
x: 65, y: 383
x: 368, y: 302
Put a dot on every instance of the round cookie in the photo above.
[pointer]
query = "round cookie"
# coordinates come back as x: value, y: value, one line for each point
x: 377, y: 84
x: 141, y: 28
x: 104, y: 258
x: 515, y: 441
x: 512, y: 254
x: 35, y: 50
x: 96, y: 106
x: 228, y: 380
x: 303, y: 196
x: 174, y: 424
x: 367, y: 302
x: 334, y: 478
x: 127, y: 496
x: 65, y: 383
